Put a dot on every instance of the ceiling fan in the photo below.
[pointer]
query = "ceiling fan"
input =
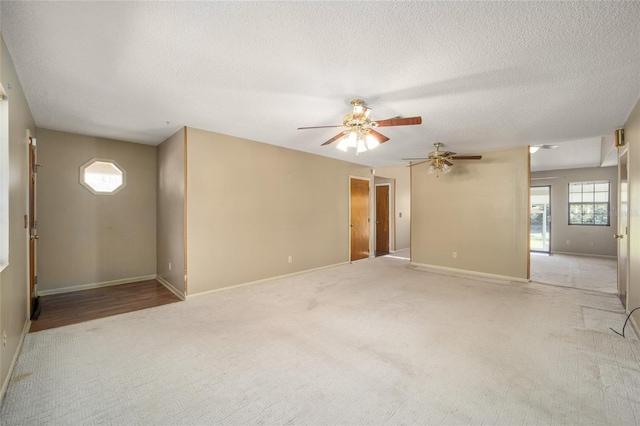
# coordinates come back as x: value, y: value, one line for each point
x: 441, y: 160
x: 359, y: 130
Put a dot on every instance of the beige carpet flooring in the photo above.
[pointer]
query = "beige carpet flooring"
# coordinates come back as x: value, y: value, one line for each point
x: 374, y: 342
x: 585, y: 272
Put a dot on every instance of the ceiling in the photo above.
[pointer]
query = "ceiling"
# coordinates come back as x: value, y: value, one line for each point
x: 483, y: 75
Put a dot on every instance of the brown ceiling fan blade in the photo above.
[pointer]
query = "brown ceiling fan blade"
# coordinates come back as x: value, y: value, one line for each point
x: 467, y: 157
x: 379, y: 136
x: 319, y: 127
x: 415, y: 164
x: 399, y: 121
x: 447, y: 162
x: 333, y: 139
x: 447, y: 154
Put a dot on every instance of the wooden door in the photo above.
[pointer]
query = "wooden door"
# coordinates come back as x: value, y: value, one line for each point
x: 382, y: 219
x: 359, y: 219
x: 33, y: 224
x: 623, y: 225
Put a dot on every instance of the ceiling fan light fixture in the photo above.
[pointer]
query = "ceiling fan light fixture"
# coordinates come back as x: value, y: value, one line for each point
x: 343, y: 145
x: 352, y: 140
x: 371, y: 142
x: 361, y: 146
x: 431, y: 169
x: 446, y: 168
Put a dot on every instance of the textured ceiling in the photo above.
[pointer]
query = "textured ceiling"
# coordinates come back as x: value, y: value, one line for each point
x: 483, y: 75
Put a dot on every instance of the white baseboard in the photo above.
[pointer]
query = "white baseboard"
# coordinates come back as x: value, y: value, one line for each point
x: 7, y: 379
x: 95, y: 285
x: 464, y: 272
x: 170, y: 287
x: 583, y: 254
x: 264, y: 280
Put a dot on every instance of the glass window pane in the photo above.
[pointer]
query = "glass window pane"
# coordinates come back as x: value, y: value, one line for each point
x: 575, y: 187
x: 588, y: 197
x: 602, y: 196
x: 575, y: 198
x: 587, y: 187
x: 602, y: 186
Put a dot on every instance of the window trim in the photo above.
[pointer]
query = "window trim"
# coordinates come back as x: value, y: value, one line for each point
x: 592, y: 203
x: 102, y: 160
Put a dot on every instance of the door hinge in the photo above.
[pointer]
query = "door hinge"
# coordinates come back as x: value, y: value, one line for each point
x: 35, y: 279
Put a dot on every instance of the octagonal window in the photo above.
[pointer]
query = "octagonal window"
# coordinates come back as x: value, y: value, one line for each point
x: 102, y: 177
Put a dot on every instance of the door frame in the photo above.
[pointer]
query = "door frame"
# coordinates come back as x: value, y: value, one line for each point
x: 550, y: 209
x: 371, y: 186
x: 31, y: 222
x: 391, y: 213
x: 624, y: 240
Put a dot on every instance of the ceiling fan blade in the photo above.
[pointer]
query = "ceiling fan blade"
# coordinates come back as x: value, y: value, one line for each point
x: 415, y: 164
x: 399, y: 121
x: 333, y: 139
x: 319, y: 127
x: 447, y: 163
x: 447, y: 154
x: 467, y: 157
x: 379, y: 136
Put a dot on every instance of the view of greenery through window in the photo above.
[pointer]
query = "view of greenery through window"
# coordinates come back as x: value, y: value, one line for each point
x: 589, y: 203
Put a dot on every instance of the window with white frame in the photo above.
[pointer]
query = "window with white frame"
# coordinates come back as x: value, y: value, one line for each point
x: 102, y: 177
x: 589, y: 203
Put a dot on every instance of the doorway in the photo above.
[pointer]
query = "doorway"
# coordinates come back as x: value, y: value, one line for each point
x: 540, y: 219
x: 33, y: 231
x: 382, y: 219
x: 359, y: 218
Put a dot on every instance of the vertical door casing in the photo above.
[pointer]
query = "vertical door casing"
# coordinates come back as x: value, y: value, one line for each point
x: 359, y: 220
x: 623, y: 224
x: 382, y: 218
x: 33, y: 231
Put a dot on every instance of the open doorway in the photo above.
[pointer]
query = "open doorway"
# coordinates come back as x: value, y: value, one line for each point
x: 540, y: 218
x: 384, y: 216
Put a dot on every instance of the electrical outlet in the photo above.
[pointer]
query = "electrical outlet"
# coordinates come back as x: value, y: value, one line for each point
x: 290, y: 259
x: 169, y: 266
x: 455, y: 254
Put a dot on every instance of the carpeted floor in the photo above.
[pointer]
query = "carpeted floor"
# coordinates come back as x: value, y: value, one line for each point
x: 585, y: 272
x: 374, y: 342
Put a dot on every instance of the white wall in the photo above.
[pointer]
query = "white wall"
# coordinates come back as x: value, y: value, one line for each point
x: 14, y: 280
x: 632, y: 138
x: 88, y: 239
x: 171, y: 207
x: 252, y: 205
x: 480, y: 211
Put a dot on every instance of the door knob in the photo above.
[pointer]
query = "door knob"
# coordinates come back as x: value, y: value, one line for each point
x: 618, y: 236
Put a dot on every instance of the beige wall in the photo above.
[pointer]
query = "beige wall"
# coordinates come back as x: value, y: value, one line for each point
x: 479, y: 210
x: 632, y: 138
x: 14, y: 278
x: 91, y: 239
x: 251, y: 205
x: 579, y: 235
x: 171, y: 203
x: 402, y: 177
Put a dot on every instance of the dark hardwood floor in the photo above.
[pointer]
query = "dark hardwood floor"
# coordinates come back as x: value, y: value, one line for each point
x: 79, y: 306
